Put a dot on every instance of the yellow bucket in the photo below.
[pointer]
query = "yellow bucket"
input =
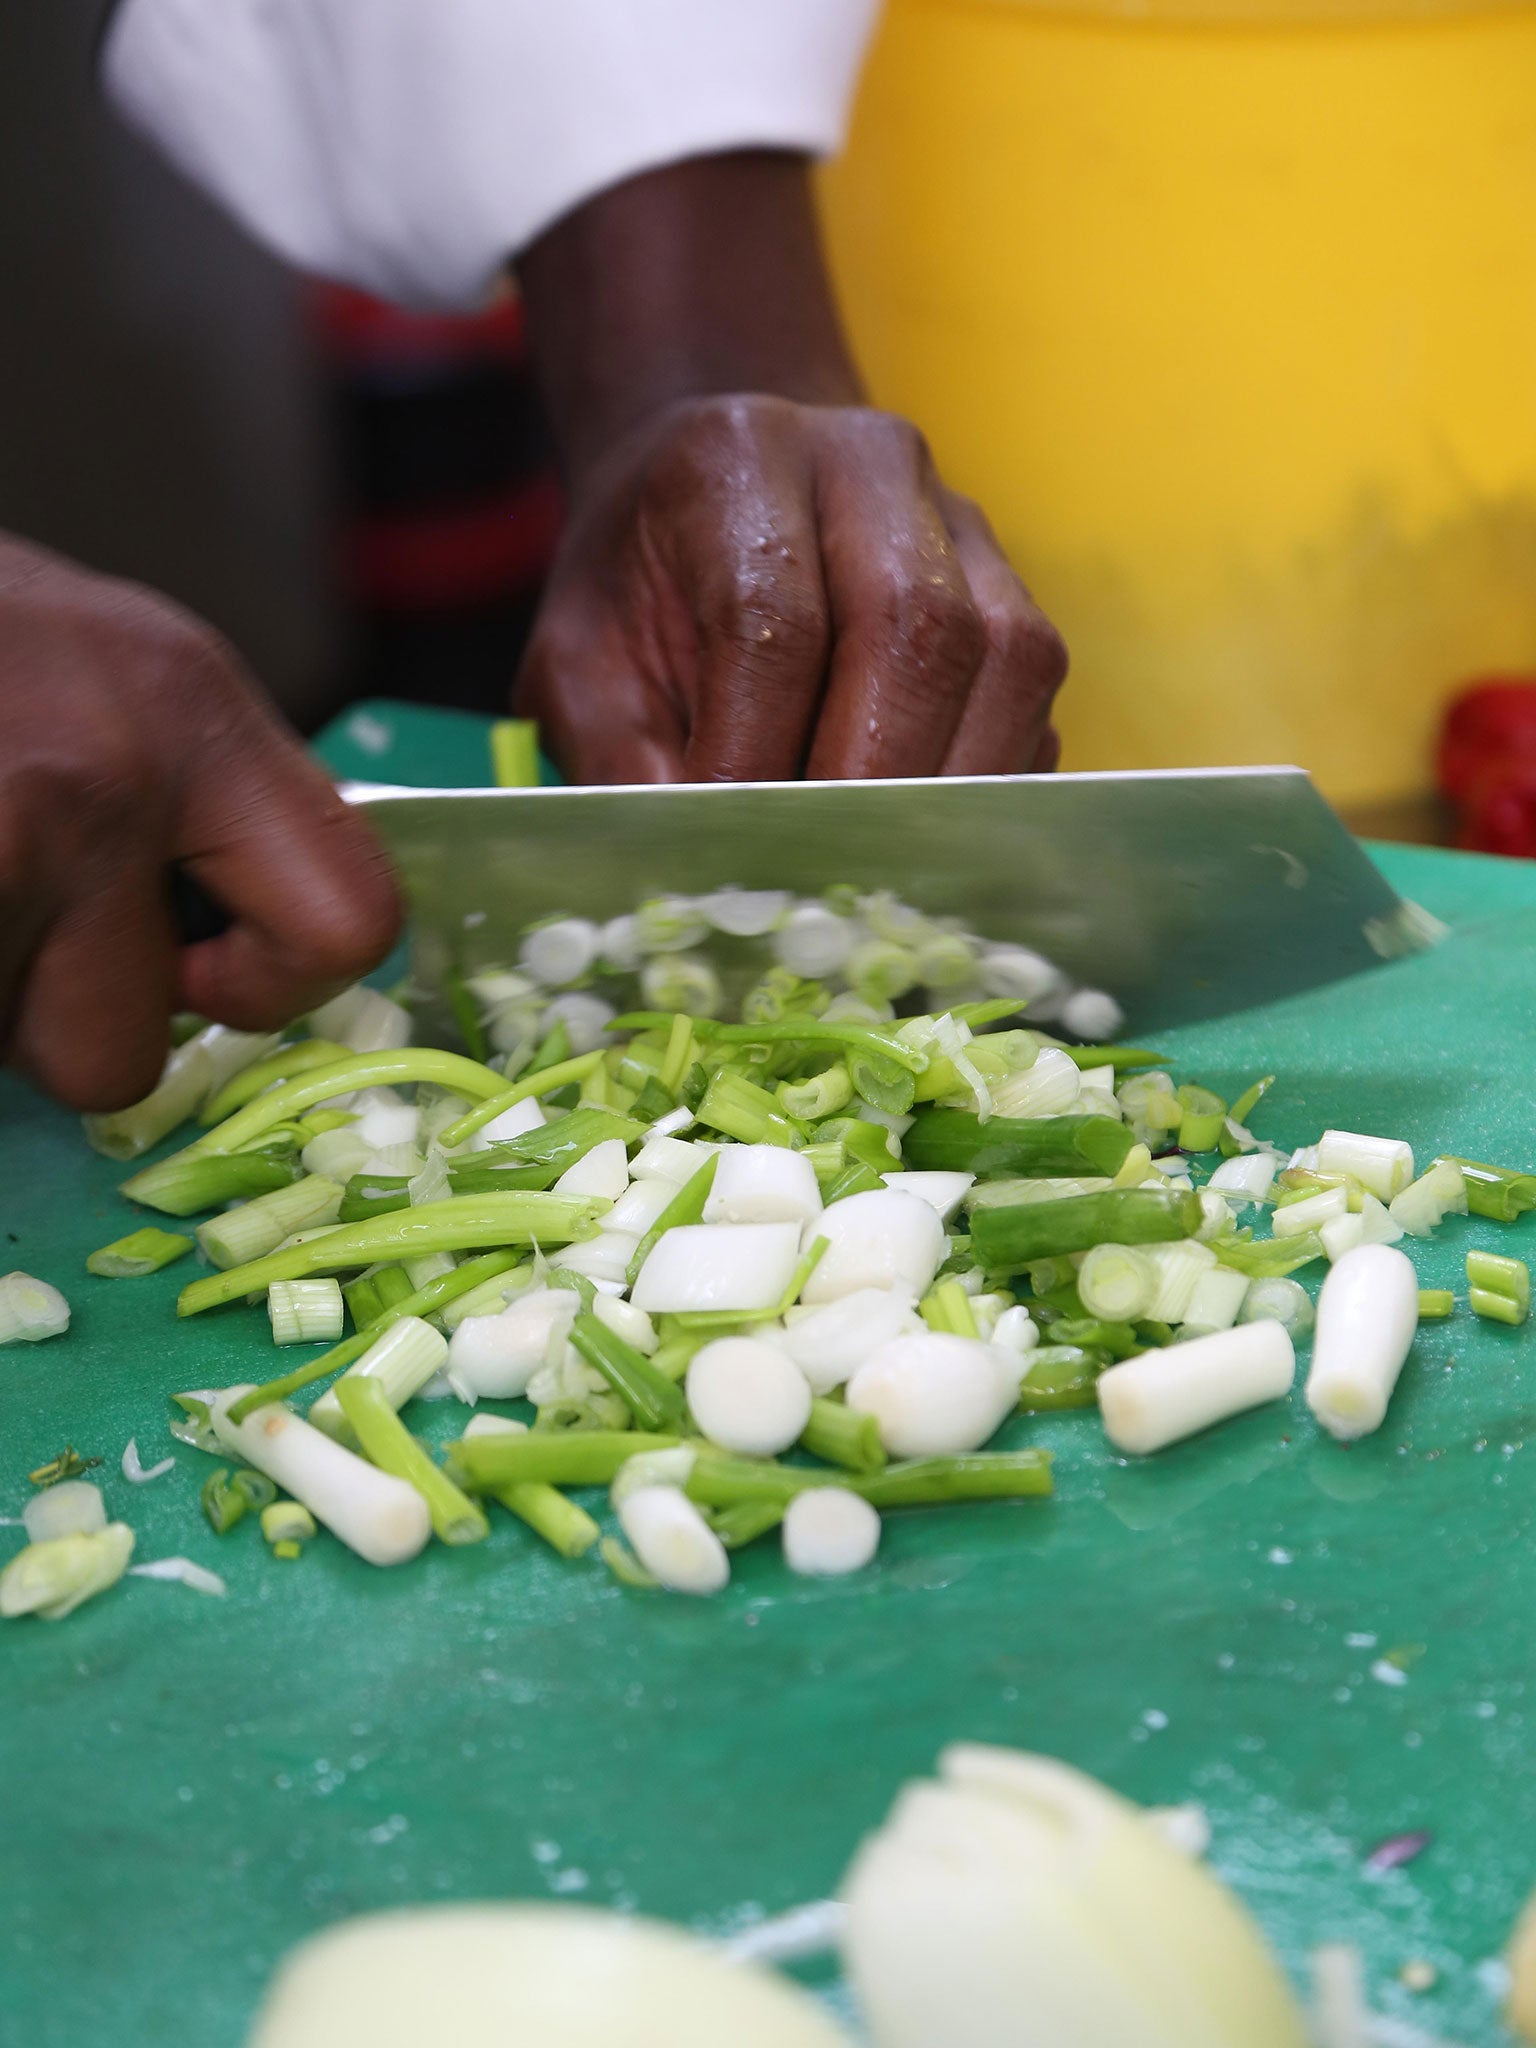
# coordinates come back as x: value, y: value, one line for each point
x: 1228, y: 317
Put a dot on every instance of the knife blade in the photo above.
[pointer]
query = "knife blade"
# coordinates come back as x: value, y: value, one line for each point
x: 1186, y: 893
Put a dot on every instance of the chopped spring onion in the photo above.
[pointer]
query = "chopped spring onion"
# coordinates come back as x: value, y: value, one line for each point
x: 672, y: 1540
x: 462, y: 1225
x: 954, y: 1140
x: 142, y: 1251
x: 746, y: 1395
x: 1247, y: 1178
x: 139, y: 1474
x: 559, y: 951
x: 943, y: 1192
x: 305, y: 1311
x: 829, y: 1531
x: 363, y: 1020
x: 1059, y: 1376
x: 762, y: 1184
x: 535, y: 1082
x: 1340, y: 1235
x: 1007, y: 1240
x: 189, y: 1181
x: 1440, y: 1192
x: 1091, y: 1014
x: 1501, y: 1192
x: 653, y: 1399
x: 52, y: 1579
x: 287, y: 1521
x: 881, y: 1239
x: 1435, y: 1304
x: 387, y: 1443
x: 1218, y: 1296
x: 1297, y: 1219
x: 1163, y: 1396
x: 437, y: 1294
x: 125, y: 1133
x: 1279, y: 1300
x: 402, y: 1360
x: 30, y: 1310
x: 1047, y: 1088
x: 933, y: 1394
x: 253, y: 1080
x: 1116, y: 1282
x: 383, y: 1518
x: 1384, y: 1165
x: 74, y: 1508
x: 258, y: 1227
x: 948, y: 1310
x: 711, y: 1267
x: 839, y: 1436
x: 1366, y: 1317
x: 1500, y: 1289
x: 829, y: 1341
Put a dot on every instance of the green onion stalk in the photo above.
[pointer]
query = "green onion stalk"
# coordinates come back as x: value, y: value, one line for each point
x: 1502, y: 1192
x: 686, y: 1206
x: 535, y: 1082
x: 469, y: 1223
x: 841, y: 1436
x: 388, y: 1444
x: 655, y: 1401
x: 283, y: 1065
x: 1006, y: 1240
x: 411, y: 1063
x: 189, y: 1181
x: 954, y: 1140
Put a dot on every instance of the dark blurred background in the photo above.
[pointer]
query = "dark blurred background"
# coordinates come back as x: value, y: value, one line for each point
x: 361, y: 499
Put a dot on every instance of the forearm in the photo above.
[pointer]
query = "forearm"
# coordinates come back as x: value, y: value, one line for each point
x: 703, y: 278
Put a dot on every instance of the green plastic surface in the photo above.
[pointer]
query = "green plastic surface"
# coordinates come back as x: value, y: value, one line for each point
x: 191, y: 1785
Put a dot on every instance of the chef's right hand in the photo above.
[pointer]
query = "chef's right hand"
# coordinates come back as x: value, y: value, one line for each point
x: 131, y: 741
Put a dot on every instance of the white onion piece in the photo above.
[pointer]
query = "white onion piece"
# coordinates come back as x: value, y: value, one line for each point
x: 746, y: 913
x: 640, y: 1205
x: 672, y: 1540
x: 1016, y: 971
x: 586, y: 1019
x: 362, y: 1020
x: 1049, y: 1086
x: 72, y: 1508
x: 933, y: 1394
x: 762, y: 1184
x: 830, y: 1342
x: 1162, y: 1396
x: 1014, y: 1900
x: 748, y: 1396
x: 829, y: 1531
x: 604, y: 1257
x: 709, y: 1266
x: 883, y: 1239
x: 1311, y: 1212
x: 674, y: 1160
x: 1341, y: 1235
x: 559, y: 952
x: 1219, y: 1295
x: 545, y: 1976
x: 1017, y: 1331
x: 1247, y: 1178
x: 515, y: 1122
x: 618, y: 945
x: 1382, y: 1165
x: 1367, y: 1315
x: 30, y: 1310
x: 1093, y: 1015
x: 494, y: 1357
x: 603, y: 1171
x: 943, y: 1192
x: 181, y: 1571
x: 380, y: 1517
x: 388, y: 1124
x: 814, y: 941
x: 485, y: 1424
x: 628, y: 1322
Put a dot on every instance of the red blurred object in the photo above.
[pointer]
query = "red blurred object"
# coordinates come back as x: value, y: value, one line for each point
x: 1487, y: 766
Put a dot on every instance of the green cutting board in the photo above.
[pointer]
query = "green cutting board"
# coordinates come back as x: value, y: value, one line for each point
x: 191, y: 1785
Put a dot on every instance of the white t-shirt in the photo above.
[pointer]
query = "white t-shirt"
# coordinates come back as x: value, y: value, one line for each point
x: 413, y: 146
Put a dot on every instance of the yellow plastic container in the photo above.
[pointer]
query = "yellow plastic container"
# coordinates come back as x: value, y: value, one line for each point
x: 1230, y: 322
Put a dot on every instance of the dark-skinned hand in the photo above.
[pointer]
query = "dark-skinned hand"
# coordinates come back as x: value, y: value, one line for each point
x: 131, y: 741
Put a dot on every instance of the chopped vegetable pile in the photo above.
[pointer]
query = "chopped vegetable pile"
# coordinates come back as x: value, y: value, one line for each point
x: 786, y: 1272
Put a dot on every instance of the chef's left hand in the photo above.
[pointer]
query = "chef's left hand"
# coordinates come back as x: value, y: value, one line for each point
x: 761, y: 576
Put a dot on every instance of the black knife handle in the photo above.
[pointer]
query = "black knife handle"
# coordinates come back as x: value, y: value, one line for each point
x: 194, y: 912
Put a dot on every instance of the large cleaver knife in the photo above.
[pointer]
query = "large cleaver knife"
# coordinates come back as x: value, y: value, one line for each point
x: 1186, y: 894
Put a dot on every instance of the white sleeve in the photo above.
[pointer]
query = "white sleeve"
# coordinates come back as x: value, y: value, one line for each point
x: 413, y: 146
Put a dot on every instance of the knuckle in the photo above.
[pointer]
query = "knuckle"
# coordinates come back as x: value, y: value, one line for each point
x: 762, y: 611
x: 1031, y: 646
x: 930, y: 625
